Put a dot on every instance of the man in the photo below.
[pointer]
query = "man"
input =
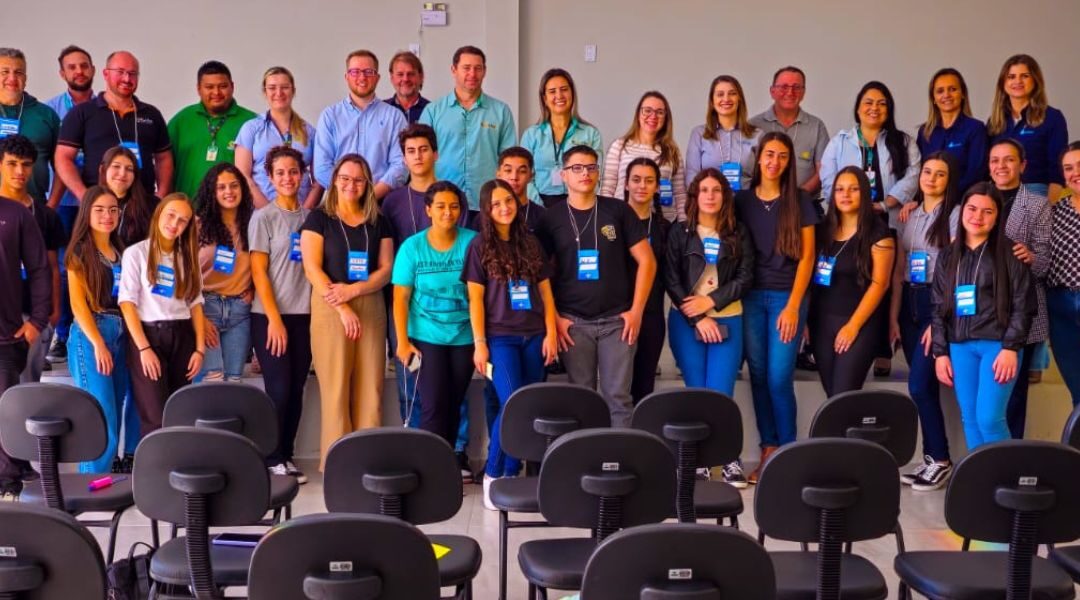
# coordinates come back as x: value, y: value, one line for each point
x: 204, y: 134
x: 23, y: 114
x: 116, y: 117
x: 22, y: 249
x: 1027, y: 219
x: 516, y: 167
x: 361, y: 124
x: 473, y: 128
x: 592, y: 240
x: 806, y: 131
x: 407, y: 77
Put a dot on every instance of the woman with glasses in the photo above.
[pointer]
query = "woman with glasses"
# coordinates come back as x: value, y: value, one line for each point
x: 727, y: 140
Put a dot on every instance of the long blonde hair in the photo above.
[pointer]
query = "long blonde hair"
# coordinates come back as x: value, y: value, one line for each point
x: 665, y: 138
x: 188, y: 282
x: 1000, y: 109
x: 369, y: 207
x: 712, y: 120
x: 935, y: 113
x: 296, y: 123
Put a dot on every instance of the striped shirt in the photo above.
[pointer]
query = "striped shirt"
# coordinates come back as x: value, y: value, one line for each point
x: 619, y: 156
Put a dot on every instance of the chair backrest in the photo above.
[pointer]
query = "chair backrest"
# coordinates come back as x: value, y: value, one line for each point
x: 707, y: 418
x: 70, y: 415
x: 407, y: 473
x: 1071, y: 435
x: 679, y: 561
x: 226, y: 405
x: 535, y: 415
x: 344, y: 557
x: 46, y: 554
x: 856, y: 476
x: 888, y: 418
x: 585, y: 470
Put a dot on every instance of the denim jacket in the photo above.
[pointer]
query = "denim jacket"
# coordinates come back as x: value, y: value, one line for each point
x: 843, y: 151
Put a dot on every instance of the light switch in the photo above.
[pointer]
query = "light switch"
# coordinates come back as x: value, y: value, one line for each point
x: 590, y: 53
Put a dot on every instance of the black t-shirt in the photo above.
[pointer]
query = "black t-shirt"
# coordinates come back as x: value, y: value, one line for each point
x: 1009, y: 199
x: 611, y: 227
x: 878, y: 183
x: 772, y: 270
x: 844, y: 292
x: 500, y: 318
x: 657, y: 230
x: 339, y: 239
x: 52, y: 230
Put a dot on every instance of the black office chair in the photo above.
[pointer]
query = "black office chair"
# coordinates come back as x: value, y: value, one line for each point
x: 599, y: 479
x: 830, y: 491
x: 239, y: 408
x: 46, y: 554
x: 702, y: 428
x: 1020, y: 492
x: 534, y: 417
x: 407, y: 474
x: 344, y: 557
x: 53, y: 423
x: 200, y: 478
x: 679, y: 561
x: 1068, y: 558
x: 887, y: 418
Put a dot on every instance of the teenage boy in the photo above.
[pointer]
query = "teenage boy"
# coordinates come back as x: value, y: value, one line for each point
x: 516, y: 167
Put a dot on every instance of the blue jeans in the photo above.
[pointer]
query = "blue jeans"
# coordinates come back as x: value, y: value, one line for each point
x: 772, y: 364
x: 517, y: 362
x: 712, y: 366
x: 982, y: 400
x: 111, y: 391
x: 408, y: 395
x: 232, y: 317
x: 491, y: 410
x: 1063, y: 306
x: 916, y: 312
x: 67, y: 216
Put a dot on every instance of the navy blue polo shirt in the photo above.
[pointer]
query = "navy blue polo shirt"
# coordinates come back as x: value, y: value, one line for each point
x: 1043, y: 145
x: 412, y: 114
x: 967, y: 142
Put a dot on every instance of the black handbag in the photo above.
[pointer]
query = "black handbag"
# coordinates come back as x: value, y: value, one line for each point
x: 129, y: 578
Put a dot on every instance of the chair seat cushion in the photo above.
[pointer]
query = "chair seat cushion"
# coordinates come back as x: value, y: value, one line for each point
x: 796, y: 577
x: 230, y: 563
x: 1068, y: 558
x: 515, y: 494
x: 283, y: 490
x: 78, y: 499
x: 556, y: 564
x: 976, y: 575
x: 716, y: 499
x: 462, y: 563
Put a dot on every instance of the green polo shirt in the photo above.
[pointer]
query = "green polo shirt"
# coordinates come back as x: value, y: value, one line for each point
x: 194, y: 147
x: 39, y: 123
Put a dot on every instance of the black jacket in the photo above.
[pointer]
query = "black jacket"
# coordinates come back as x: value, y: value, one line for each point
x: 983, y: 325
x: 684, y: 262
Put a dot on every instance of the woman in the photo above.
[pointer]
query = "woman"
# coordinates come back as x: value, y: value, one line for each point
x: 280, y: 126
x: 1063, y: 281
x: 780, y: 219
x: 727, y: 139
x: 431, y: 311
x: 950, y: 128
x: 117, y: 172
x: 559, y: 128
x: 511, y: 309
x: 642, y: 185
x: 1020, y: 111
x: 97, y: 340
x: 161, y: 299
x: 348, y: 250
x: 224, y: 214
x: 281, y: 311
x: 707, y: 267
x: 651, y: 135
x: 983, y: 298
x: 920, y: 240
x: 847, y: 315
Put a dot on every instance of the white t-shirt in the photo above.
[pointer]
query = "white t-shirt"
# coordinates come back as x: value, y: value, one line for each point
x: 153, y: 302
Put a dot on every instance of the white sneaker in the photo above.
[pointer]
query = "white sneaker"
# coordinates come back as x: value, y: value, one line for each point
x: 278, y: 469
x: 295, y: 471
x: 487, y: 492
x: 909, y: 478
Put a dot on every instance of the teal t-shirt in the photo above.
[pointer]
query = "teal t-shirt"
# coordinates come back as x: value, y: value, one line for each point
x: 439, y: 306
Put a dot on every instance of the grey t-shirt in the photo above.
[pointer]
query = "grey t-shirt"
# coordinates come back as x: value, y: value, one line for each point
x: 808, y: 134
x: 271, y: 231
x: 914, y: 237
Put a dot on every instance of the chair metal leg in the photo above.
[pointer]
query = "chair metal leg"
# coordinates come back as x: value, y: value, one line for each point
x: 468, y: 590
x: 288, y: 511
x: 111, y: 552
x: 734, y: 521
x: 172, y: 531
x: 155, y: 536
x: 903, y: 593
x: 504, y: 534
x: 532, y: 592
x: 900, y: 548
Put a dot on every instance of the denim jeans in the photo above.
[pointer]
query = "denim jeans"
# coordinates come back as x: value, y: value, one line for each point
x: 982, y: 400
x: 712, y: 366
x: 916, y: 312
x: 1063, y: 306
x: 772, y: 364
x: 517, y: 362
x: 111, y: 391
x: 408, y: 394
x: 232, y: 317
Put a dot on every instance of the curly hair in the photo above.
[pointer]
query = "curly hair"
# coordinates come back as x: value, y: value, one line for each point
x: 212, y: 230
x: 519, y: 257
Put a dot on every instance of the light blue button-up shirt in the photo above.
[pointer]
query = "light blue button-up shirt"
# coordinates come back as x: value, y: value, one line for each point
x: 259, y: 136
x: 372, y: 133
x: 470, y: 140
x: 61, y: 104
x: 540, y: 141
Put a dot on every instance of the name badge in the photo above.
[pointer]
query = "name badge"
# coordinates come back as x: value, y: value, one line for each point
x: 211, y: 153
x: 824, y: 269
x: 358, y: 266
x: 965, y: 300
x: 872, y: 176
x: 80, y: 159
x: 917, y: 261
x: 712, y: 249
x: 732, y: 171
x: 294, y: 247
x: 165, y: 282
x: 8, y: 127
x: 588, y: 265
x: 224, y: 260
x: 22, y: 271
x: 667, y: 198
x: 556, y: 178
x: 115, y: 280
x: 134, y: 150
x: 519, y: 295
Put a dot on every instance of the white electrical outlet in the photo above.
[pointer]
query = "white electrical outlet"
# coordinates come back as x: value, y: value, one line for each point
x: 415, y: 49
x: 590, y: 53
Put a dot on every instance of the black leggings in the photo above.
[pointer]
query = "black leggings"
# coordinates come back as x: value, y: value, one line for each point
x: 843, y: 372
x: 445, y: 373
x: 284, y: 376
x: 650, y: 344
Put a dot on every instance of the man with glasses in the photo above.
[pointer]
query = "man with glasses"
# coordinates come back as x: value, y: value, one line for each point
x: 116, y: 117
x: 806, y: 131
x: 473, y: 128
x: 23, y: 114
x: 204, y: 134
x: 596, y: 242
x: 407, y: 77
x: 361, y: 124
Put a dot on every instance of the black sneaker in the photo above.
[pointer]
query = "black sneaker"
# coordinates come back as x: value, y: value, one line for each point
x: 127, y: 464
x: 292, y: 469
x: 805, y: 361
x: 909, y: 478
x: 733, y: 475
x: 57, y: 351
x: 933, y: 478
x: 117, y: 465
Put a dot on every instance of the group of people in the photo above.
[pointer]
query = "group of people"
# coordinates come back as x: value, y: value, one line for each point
x: 421, y: 231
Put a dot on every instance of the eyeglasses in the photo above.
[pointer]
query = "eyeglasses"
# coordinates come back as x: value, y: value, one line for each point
x: 579, y: 169
x: 789, y: 89
x: 124, y: 73
x: 354, y: 73
x: 648, y: 111
x: 347, y: 181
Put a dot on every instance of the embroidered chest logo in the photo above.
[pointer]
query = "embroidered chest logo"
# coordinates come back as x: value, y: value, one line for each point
x: 486, y: 125
x: 608, y: 231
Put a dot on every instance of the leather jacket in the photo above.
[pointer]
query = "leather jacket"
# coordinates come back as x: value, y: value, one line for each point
x: 684, y: 262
